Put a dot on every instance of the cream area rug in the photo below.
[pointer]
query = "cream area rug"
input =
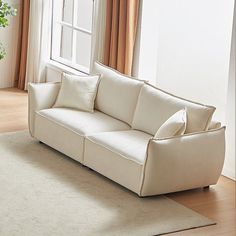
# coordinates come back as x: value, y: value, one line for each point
x: 45, y: 193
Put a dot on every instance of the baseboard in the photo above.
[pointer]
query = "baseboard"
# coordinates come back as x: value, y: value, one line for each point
x: 229, y: 173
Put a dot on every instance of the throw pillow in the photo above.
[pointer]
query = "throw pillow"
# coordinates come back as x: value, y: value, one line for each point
x: 78, y: 92
x: 175, y: 125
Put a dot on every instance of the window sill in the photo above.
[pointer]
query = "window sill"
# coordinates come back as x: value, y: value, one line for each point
x: 55, y: 70
x: 63, y: 68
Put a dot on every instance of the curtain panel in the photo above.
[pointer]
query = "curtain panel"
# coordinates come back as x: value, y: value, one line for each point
x: 98, y: 35
x: 20, y: 80
x: 34, y: 42
x: 38, y: 41
x: 120, y: 34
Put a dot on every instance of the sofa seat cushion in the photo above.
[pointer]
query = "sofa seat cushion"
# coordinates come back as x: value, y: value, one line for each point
x: 131, y: 144
x: 155, y: 106
x: 117, y: 93
x: 119, y: 155
x: 83, y: 123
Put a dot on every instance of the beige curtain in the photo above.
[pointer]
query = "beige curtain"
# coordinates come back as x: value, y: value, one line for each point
x: 121, y: 26
x: 20, y: 83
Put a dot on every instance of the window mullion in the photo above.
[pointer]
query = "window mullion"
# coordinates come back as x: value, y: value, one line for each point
x: 75, y: 5
x: 83, y: 30
x: 65, y: 24
x: 70, y: 43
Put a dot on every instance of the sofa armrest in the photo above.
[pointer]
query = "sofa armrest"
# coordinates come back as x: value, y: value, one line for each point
x: 183, y: 162
x: 41, y: 96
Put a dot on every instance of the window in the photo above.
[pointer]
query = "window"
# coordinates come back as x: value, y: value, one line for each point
x: 72, y: 33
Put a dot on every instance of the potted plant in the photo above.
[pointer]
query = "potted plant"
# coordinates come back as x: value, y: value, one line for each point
x: 5, y: 11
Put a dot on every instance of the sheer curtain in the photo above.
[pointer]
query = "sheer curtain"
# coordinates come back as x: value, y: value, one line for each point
x: 98, y: 35
x: 40, y: 33
x: 38, y: 40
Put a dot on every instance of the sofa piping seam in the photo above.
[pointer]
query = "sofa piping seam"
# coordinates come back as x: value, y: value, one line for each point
x: 187, y: 100
x: 63, y: 126
x: 144, y: 168
x: 189, y: 134
x: 119, y: 73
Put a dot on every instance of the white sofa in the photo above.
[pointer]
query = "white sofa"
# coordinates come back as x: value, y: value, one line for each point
x: 117, y: 140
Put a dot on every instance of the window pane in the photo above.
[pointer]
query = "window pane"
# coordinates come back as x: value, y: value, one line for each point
x: 57, y: 10
x: 66, y: 42
x: 83, y: 48
x: 84, y: 14
x: 70, y: 45
x: 67, y: 11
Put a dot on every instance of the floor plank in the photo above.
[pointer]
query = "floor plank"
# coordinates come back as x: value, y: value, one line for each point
x: 217, y: 203
x: 13, y: 110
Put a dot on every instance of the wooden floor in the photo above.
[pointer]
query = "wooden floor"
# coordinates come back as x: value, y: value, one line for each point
x: 217, y: 203
x: 13, y: 110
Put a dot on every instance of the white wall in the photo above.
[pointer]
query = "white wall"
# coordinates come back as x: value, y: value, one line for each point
x: 185, y: 49
x: 145, y: 58
x: 9, y: 37
x: 229, y: 167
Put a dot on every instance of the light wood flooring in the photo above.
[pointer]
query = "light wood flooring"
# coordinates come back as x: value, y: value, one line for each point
x: 217, y: 203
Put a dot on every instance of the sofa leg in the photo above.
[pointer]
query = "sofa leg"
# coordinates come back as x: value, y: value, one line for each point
x: 206, y: 188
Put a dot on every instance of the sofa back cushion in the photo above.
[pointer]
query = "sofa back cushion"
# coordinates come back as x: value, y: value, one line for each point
x: 155, y: 106
x: 117, y: 94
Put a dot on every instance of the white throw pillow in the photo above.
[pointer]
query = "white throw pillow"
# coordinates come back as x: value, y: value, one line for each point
x: 175, y: 125
x: 78, y: 92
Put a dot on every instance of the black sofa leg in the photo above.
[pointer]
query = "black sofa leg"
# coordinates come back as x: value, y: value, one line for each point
x: 206, y: 188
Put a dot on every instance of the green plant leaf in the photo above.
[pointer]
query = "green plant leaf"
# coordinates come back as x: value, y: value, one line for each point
x: 2, y: 52
x: 5, y: 11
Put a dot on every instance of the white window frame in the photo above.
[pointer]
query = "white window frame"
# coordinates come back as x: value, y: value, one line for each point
x: 56, y: 44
